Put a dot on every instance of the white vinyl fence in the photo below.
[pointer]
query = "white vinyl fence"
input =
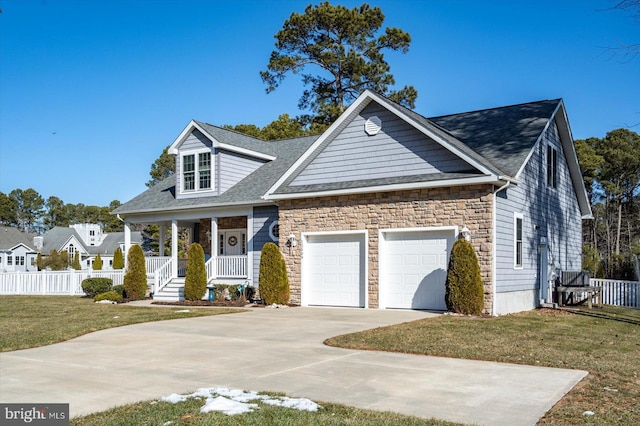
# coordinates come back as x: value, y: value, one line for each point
x: 52, y: 282
x: 619, y: 293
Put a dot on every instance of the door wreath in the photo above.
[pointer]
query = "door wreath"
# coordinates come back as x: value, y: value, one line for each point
x: 232, y: 241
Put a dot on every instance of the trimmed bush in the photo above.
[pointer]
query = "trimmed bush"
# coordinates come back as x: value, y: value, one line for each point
x: 76, y: 261
x: 97, y: 263
x: 274, y: 282
x: 120, y: 290
x: 135, y: 278
x: 118, y: 260
x: 464, y: 290
x: 195, y: 281
x: 94, y: 286
x: 109, y: 295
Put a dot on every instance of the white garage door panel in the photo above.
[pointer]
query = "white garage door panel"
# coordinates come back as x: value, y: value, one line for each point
x: 416, y: 269
x: 335, y: 270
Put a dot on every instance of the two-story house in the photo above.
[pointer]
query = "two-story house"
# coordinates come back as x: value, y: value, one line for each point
x: 366, y: 213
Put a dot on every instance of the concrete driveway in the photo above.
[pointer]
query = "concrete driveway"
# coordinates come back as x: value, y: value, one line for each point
x: 278, y: 350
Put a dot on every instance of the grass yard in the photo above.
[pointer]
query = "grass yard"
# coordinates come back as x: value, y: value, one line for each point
x: 609, y: 349
x: 32, y: 321
x: 188, y: 413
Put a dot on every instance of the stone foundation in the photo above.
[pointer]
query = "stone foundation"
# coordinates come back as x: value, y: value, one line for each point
x: 454, y: 206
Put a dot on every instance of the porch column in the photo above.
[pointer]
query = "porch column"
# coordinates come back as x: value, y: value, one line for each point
x: 174, y: 248
x: 127, y: 243
x: 214, y: 247
x: 250, y: 247
x: 162, y: 237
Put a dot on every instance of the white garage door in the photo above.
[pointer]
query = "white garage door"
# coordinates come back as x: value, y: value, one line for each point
x: 334, y: 270
x: 415, y: 265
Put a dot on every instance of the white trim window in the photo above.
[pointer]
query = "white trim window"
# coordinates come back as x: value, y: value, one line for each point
x: 196, y: 171
x: 552, y: 166
x: 518, y: 227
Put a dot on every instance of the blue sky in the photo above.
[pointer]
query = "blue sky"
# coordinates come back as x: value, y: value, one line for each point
x: 91, y: 91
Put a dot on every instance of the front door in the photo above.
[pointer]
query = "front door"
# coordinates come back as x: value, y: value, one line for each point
x: 233, y: 242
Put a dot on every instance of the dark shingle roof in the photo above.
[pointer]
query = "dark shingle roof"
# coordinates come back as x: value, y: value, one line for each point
x: 503, y: 136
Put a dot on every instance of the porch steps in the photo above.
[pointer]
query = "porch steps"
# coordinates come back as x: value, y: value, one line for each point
x: 172, y: 292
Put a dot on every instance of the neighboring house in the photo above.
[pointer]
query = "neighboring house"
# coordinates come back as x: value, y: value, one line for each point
x: 366, y: 213
x: 89, y: 241
x: 16, y: 250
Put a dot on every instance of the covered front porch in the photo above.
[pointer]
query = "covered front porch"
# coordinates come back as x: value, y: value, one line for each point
x: 227, y: 241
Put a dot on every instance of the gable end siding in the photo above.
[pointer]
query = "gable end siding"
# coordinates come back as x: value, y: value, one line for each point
x: 554, y: 211
x: 397, y: 150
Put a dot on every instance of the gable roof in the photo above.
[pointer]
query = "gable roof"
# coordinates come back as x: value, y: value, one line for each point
x: 226, y: 139
x: 58, y: 237
x: 487, y: 172
x: 497, y: 141
x: 249, y: 191
x: 11, y: 237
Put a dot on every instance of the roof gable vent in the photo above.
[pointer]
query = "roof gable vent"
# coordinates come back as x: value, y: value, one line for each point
x: 373, y: 125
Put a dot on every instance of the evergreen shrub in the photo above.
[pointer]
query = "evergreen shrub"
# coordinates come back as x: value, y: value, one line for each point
x: 195, y: 281
x: 94, y: 286
x: 109, y: 295
x: 97, y: 263
x: 464, y: 291
x: 135, y: 278
x: 76, y: 262
x: 273, y: 282
x: 118, y: 259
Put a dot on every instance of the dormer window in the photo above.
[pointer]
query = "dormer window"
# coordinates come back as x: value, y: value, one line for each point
x: 196, y: 171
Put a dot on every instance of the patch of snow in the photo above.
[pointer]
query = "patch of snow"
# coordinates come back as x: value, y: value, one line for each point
x: 227, y: 406
x: 181, y: 311
x: 588, y: 413
x: 174, y: 398
x: 108, y: 302
x: 235, y: 401
x: 116, y: 317
x: 302, y: 404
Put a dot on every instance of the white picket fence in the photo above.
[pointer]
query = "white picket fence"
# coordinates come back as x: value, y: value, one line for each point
x: 52, y: 282
x: 619, y: 293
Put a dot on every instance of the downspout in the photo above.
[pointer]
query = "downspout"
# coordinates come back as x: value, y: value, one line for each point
x: 494, y: 247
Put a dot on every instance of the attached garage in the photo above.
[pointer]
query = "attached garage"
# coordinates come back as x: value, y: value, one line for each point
x: 334, y: 269
x: 413, y: 267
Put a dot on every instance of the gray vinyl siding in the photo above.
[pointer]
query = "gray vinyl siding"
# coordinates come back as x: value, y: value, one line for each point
x: 233, y: 168
x: 554, y: 211
x: 397, y: 150
x: 263, y: 217
x: 194, y: 142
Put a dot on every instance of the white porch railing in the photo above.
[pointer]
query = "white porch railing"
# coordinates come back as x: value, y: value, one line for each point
x: 52, y: 282
x: 619, y: 293
x: 154, y: 263
x: 232, y: 266
x: 209, y: 267
x: 162, y: 276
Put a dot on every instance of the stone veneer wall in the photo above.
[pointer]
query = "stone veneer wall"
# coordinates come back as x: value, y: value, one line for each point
x: 454, y: 206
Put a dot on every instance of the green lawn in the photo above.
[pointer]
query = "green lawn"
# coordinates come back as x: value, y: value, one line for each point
x: 608, y: 349
x: 32, y: 321
x: 188, y: 413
